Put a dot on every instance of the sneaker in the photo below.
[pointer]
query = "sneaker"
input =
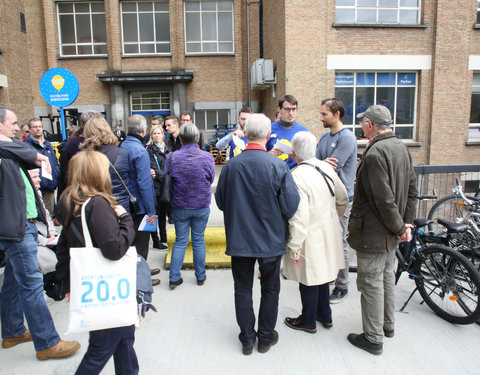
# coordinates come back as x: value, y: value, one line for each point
x: 10, y: 343
x: 338, y: 295
x: 264, y: 349
x: 174, y: 284
x: 160, y: 246
x: 61, y: 350
x: 362, y: 343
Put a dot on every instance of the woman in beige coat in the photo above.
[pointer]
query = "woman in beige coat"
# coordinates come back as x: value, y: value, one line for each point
x: 315, y: 247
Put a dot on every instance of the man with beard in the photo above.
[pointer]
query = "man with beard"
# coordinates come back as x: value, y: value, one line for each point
x: 338, y: 147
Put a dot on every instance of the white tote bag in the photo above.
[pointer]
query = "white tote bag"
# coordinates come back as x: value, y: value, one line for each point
x: 102, y: 291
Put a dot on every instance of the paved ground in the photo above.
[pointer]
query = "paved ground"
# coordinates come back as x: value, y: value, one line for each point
x: 195, y: 332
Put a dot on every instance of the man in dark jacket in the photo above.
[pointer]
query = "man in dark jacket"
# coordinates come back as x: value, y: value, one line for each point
x: 44, y: 147
x: 257, y: 195
x: 20, y: 208
x: 383, y: 209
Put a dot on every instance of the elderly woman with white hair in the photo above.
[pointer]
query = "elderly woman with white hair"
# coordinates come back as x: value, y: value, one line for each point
x: 315, y: 247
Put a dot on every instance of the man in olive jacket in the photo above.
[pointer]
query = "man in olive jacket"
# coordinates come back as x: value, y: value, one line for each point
x: 383, y: 209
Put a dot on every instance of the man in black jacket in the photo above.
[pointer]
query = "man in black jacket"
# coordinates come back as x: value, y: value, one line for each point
x: 22, y: 290
x: 257, y: 195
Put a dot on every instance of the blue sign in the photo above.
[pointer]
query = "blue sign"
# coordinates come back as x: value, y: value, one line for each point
x: 59, y: 87
x: 344, y: 79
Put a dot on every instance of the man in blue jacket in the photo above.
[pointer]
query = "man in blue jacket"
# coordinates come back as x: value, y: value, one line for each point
x: 257, y: 195
x: 44, y: 147
x: 22, y: 290
x: 140, y: 183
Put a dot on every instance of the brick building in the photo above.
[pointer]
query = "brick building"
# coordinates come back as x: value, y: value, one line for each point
x: 421, y: 58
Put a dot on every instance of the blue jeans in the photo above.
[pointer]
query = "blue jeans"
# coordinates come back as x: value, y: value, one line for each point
x: 22, y: 293
x: 184, y: 220
x: 103, y: 344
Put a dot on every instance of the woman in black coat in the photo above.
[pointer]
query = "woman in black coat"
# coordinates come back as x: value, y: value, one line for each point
x: 157, y: 150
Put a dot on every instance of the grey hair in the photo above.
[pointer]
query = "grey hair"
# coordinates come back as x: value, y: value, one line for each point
x: 377, y: 126
x: 159, y: 118
x: 189, y: 133
x: 136, y: 124
x: 304, y: 144
x: 3, y: 114
x: 87, y: 115
x: 257, y: 127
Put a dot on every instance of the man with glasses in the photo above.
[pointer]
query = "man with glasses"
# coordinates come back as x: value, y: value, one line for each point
x: 284, y: 130
x: 383, y: 208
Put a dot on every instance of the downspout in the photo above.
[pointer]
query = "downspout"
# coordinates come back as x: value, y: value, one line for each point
x: 248, y: 49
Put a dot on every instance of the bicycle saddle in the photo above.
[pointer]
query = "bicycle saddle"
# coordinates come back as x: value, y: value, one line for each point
x: 420, y: 223
x: 453, y: 227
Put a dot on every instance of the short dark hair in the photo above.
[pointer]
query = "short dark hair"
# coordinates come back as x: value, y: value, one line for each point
x: 334, y: 105
x: 34, y: 119
x: 287, y: 98
x: 245, y: 109
x: 187, y: 113
x: 159, y: 118
x: 174, y: 118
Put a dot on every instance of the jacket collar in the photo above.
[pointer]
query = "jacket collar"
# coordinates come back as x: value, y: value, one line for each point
x: 378, y: 138
x: 136, y: 136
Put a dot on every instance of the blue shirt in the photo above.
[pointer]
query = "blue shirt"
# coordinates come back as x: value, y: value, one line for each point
x: 284, y: 135
x: 342, y: 146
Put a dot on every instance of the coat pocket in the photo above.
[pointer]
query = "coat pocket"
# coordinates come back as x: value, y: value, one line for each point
x: 355, y: 225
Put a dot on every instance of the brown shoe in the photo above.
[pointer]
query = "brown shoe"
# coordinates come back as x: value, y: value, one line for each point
x: 155, y: 282
x: 154, y: 271
x: 9, y: 343
x: 61, y: 350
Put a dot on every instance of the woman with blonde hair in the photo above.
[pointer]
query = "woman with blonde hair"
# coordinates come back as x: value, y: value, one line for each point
x: 157, y: 150
x: 99, y: 137
x: 111, y: 230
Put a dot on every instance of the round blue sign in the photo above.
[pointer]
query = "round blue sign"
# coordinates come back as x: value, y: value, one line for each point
x: 59, y: 87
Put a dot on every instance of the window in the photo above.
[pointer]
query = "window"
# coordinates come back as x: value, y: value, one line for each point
x: 145, y: 27
x: 208, y: 27
x: 150, y: 101
x: 474, y: 130
x: 395, y: 90
x: 377, y: 11
x: 82, y: 28
x: 23, y: 25
x: 478, y: 12
x: 206, y: 118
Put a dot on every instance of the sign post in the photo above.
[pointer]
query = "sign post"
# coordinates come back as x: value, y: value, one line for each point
x: 59, y: 87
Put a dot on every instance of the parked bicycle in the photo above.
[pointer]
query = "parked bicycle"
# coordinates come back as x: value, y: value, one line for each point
x: 458, y: 208
x: 446, y: 280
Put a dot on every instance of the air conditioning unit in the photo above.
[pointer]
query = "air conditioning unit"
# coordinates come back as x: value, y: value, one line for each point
x: 262, y: 74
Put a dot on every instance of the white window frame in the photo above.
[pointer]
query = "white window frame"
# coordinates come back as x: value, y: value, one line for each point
x: 77, y: 44
x: 161, y: 101
x: 356, y: 7
x: 200, y: 40
x: 474, y: 128
x: 196, y: 112
x: 138, y: 42
x: 376, y: 86
x: 478, y: 12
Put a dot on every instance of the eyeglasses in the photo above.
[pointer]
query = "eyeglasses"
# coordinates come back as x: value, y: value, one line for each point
x: 288, y: 109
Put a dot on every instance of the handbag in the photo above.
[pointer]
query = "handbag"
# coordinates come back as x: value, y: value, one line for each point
x: 134, y: 205
x: 102, y: 291
x: 167, y: 184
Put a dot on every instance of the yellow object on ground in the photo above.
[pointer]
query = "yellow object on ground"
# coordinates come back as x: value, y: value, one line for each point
x: 215, y: 243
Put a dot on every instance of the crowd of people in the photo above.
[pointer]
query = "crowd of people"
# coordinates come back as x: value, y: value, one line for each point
x: 284, y: 196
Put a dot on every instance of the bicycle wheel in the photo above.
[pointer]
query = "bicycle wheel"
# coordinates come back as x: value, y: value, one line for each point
x: 451, y: 208
x: 448, y: 283
x: 473, y: 256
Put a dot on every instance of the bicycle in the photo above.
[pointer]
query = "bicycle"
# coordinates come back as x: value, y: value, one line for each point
x: 458, y: 208
x: 448, y: 283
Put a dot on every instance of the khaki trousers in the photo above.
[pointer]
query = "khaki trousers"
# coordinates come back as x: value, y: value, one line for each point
x: 376, y: 282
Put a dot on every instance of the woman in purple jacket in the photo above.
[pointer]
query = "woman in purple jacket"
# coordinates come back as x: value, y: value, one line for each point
x: 192, y: 171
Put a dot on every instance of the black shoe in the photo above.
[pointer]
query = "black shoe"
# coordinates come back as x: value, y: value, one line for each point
x: 156, y: 245
x: 174, y: 284
x: 247, y: 350
x: 324, y: 323
x: 389, y: 332
x: 264, y: 349
x: 201, y: 282
x: 296, y: 323
x: 362, y: 343
x: 170, y: 220
x: 161, y: 246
